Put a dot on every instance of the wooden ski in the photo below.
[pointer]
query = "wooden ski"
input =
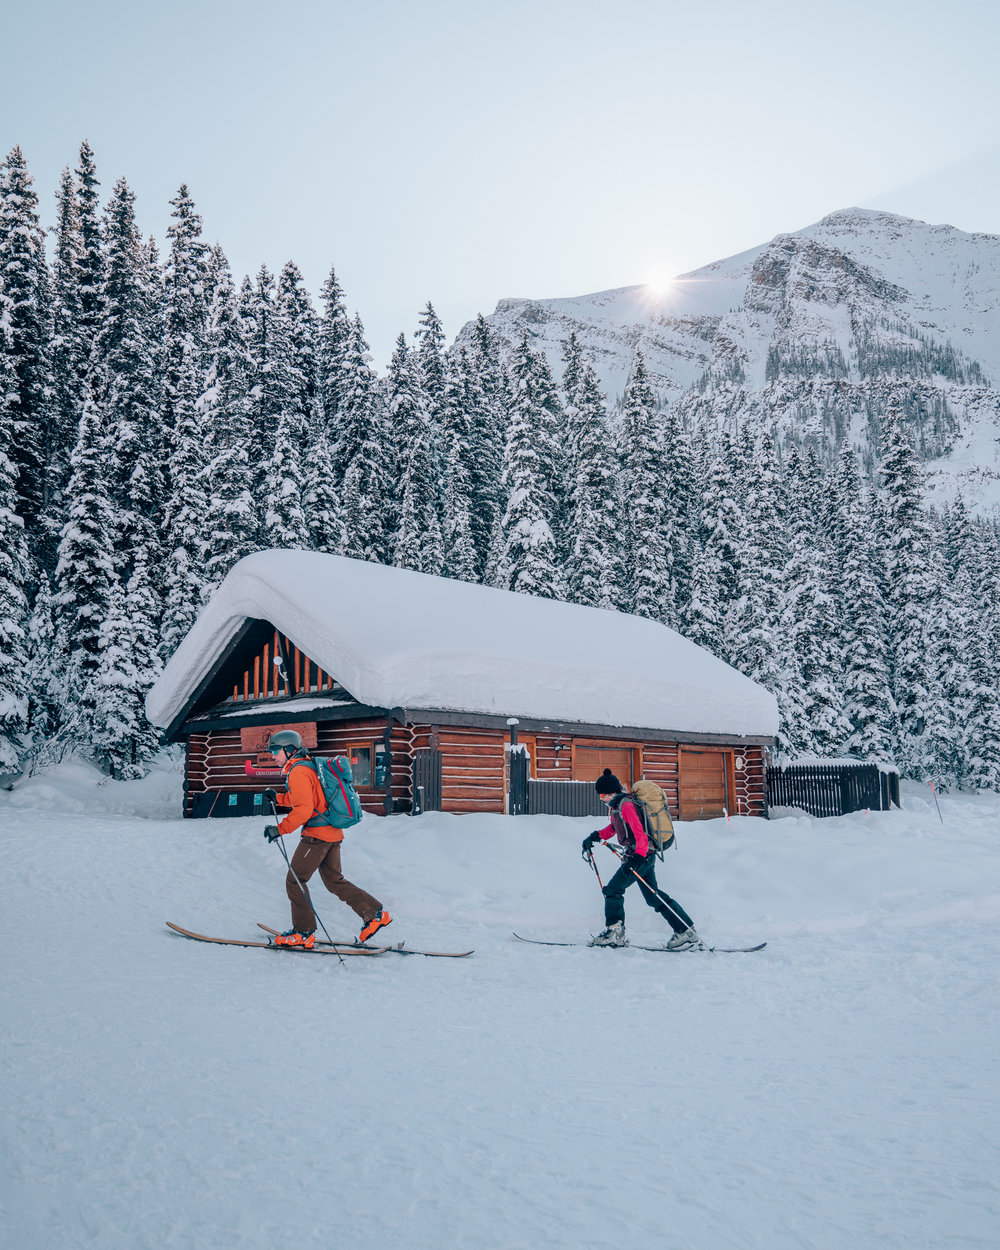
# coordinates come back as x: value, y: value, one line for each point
x: 399, y: 949
x: 270, y: 946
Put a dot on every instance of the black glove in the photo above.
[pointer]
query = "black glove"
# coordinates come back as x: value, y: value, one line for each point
x: 271, y: 796
x: 271, y: 833
x: 588, y: 843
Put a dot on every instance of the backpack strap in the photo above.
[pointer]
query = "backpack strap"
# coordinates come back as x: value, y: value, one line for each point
x: 320, y: 818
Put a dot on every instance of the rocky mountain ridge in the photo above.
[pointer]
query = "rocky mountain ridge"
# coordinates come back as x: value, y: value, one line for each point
x: 816, y: 334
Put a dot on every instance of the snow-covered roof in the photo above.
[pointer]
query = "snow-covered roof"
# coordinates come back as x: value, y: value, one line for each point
x: 394, y: 638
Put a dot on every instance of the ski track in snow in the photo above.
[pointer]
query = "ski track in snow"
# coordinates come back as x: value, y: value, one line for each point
x: 838, y: 1089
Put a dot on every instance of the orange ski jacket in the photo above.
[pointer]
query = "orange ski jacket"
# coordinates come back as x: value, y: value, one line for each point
x: 305, y: 799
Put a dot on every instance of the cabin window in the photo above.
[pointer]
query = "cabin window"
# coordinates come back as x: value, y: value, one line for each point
x: 367, y: 764
x: 361, y: 764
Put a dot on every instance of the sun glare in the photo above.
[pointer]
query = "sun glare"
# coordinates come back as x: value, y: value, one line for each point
x: 659, y: 283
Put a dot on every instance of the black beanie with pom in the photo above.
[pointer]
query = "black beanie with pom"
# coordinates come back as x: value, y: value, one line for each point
x: 608, y: 783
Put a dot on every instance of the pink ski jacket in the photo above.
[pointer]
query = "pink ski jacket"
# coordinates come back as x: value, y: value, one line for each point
x: 626, y: 823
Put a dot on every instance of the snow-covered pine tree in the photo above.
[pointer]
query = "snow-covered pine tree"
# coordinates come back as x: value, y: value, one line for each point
x: 464, y: 410
x: 298, y: 330
x: 230, y: 526
x: 526, y: 557
x: 713, y: 583
x: 334, y: 332
x: 761, y: 639
x: 859, y: 635
x: 185, y: 308
x: 914, y: 603
x: 982, y: 753
x: 647, y: 585
x: 90, y: 260
x: 487, y: 390
x: 679, y: 520
x: 288, y: 403
x: 285, y: 523
x: 184, y: 576
x: 44, y: 694
x: 594, y: 567
x: 430, y: 363
x: 66, y: 400
x: 430, y: 373
x: 553, y: 459
x: 26, y: 321
x: 322, y: 499
x: 185, y: 311
x: 122, y: 740
x: 949, y: 663
x: 417, y: 541
x: 809, y: 609
x: 125, y: 381
x: 365, y: 486
x: 255, y: 313
x: 84, y: 577
x: 970, y: 754
x: 13, y: 572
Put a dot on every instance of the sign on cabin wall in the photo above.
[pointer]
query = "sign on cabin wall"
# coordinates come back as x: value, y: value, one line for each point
x: 255, y: 739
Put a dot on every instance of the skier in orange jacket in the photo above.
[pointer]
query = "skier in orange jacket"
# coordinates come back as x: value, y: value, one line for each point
x: 317, y: 851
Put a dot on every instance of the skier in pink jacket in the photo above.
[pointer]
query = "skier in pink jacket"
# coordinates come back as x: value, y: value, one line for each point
x: 638, y: 863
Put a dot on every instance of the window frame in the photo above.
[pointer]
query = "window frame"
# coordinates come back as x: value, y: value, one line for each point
x: 375, y: 748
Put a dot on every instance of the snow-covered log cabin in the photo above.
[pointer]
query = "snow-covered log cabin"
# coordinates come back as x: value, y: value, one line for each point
x: 422, y: 681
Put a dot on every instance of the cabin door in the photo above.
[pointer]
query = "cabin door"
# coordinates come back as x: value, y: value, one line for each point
x: 703, y: 783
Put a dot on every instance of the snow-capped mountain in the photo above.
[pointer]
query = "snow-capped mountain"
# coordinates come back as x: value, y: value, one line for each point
x: 818, y: 334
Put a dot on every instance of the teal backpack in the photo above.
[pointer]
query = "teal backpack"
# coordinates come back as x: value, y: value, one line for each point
x: 343, y: 805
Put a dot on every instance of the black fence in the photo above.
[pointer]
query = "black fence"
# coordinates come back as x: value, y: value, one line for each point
x: 517, y: 796
x: 564, y: 798
x: 426, y: 781
x: 832, y: 789
x: 528, y: 797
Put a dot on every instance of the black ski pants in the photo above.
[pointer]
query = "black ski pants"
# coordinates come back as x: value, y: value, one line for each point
x: 614, y: 894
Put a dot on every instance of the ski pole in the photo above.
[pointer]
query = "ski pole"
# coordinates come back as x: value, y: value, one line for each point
x: 936, y: 803
x: 648, y: 886
x: 305, y: 892
x: 593, y: 864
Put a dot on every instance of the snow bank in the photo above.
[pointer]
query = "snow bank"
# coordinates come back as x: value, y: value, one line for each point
x: 396, y: 638
x: 839, y: 1089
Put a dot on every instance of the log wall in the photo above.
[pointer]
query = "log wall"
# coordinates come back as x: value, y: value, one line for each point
x: 215, y: 761
x: 751, y: 782
x: 472, y: 769
x: 472, y: 764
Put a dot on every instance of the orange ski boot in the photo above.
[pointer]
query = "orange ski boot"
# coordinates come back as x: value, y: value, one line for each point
x: 372, y: 926
x: 294, y: 937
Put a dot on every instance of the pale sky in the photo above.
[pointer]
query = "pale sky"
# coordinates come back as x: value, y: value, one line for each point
x: 445, y: 151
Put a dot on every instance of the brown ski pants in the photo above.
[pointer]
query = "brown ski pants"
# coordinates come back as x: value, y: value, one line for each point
x: 313, y: 854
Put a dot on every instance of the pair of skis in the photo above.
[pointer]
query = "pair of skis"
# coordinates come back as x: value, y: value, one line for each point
x: 354, y: 948
x: 321, y: 948
x: 712, y: 950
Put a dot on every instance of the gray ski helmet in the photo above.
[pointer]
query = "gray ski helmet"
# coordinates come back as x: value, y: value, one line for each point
x: 286, y: 738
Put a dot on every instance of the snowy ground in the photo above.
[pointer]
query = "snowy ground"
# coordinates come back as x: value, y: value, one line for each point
x: 838, y: 1090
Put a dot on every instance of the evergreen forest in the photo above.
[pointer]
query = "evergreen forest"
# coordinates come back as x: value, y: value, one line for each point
x: 160, y: 419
